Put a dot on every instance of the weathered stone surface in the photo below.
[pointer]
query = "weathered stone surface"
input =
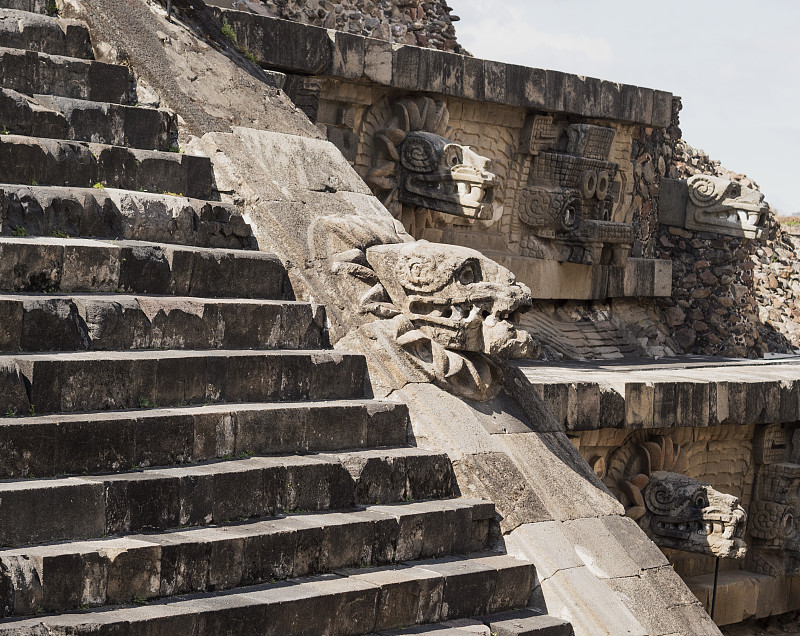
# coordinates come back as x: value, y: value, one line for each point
x: 80, y: 120
x: 326, y: 604
x: 569, y: 592
x: 525, y: 623
x: 436, y: 71
x: 201, y: 560
x: 34, y: 73
x: 106, y: 323
x: 282, y: 44
x: 37, y: 32
x: 156, y: 499
x: 49, y: 264
x: 102, y: 381
x: 120, y: 214
x: 45, y: 446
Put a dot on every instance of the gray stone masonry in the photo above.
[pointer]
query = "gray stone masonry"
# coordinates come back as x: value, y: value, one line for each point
x: 181, y: 451
x: 304, y: 49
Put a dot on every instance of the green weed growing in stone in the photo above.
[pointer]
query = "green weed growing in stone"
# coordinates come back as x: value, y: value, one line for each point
x: 228, y: 32
x: 51, y: 8
x: 139, y: 600
x: 19, y: 232
x: 59, y: 234
x: 145, y: 403
x: 4, y: 131
x: 11, y: 412
x: 32, y: 410
x: 34, y: 182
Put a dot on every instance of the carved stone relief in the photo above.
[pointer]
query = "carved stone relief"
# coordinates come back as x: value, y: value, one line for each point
x: 572, y: 189
x: 706, y: 203
x: 675, y: 510
x: 417, y: 169
x: 438, y: 311
x: 774, y: 529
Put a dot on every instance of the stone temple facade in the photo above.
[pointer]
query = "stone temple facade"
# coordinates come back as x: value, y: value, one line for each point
x: 312, y: 324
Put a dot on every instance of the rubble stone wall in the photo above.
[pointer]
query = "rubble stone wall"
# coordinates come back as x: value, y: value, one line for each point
x: 731, y: 296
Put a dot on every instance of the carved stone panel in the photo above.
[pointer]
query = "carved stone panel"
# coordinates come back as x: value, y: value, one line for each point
x: 675, y: 510
x: 774, y: 527
x: 566, y: 206
x: 417, y: 168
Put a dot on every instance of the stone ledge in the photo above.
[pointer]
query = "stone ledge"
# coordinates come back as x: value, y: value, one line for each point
x: 685, y: 391
x: 642, y: 278
x: 299, y: 48
x: 742, y: 594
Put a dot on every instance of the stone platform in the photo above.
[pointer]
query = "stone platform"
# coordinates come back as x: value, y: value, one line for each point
x: 680, y: 391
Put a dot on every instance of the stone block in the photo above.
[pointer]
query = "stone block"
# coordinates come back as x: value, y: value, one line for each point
x: 378, y: 61
x: 284, y: 45
x: 474, y: 85
x: 555, y: 99
x: 35, y: 512
x: 416, y: 68
x: 495, y: 87
x: 469, y: 586
x: 672, y: 201
x: 348, y: 54
x: 489, y: 476
x: 527, y: 623
x: 35, y: 73
x: 637, y: 545
x: 545, y: 545
x: 571, y: 592
x: 526, y: 86
x: 140, y: 501
x: 600, y: 549
x: 639, y: 404
x: 662, y: 109
x: 90, y: 266
x: 514, y: 582
x: 407, y: 596
x: 644, y: 600
x: 610, y: 99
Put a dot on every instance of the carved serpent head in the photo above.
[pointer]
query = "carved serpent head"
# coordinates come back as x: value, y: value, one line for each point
x: 718, y: 204
x: 678, y: 511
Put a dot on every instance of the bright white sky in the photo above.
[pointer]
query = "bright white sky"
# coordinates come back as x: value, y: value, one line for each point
x: 735, y: 63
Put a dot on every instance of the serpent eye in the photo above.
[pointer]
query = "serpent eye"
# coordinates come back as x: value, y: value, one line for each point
x: 452, y: 155
x: 701, y: 501
x: 468, y: 274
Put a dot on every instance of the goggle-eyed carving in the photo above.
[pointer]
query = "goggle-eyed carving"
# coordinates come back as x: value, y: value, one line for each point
x: 570, y: 195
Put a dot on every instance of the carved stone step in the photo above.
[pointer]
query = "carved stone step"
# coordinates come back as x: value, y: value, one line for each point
x: 44, y: 34
x: 82, y: 120
x: 34, y: 6
x: 425, y: 592
x: 41, y: 161
x: 121, y: 214
x: 527, y: 623
x: 40, y: 73
x: 84, y: 443
x: 36, y: 511
x: 94, y: 381
x: 52, y: 578
x: 108, y: 322
x: 514, y: 623
x: 81, y: 265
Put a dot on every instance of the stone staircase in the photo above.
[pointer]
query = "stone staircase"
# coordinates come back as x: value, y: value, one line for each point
x: 180, y: 453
